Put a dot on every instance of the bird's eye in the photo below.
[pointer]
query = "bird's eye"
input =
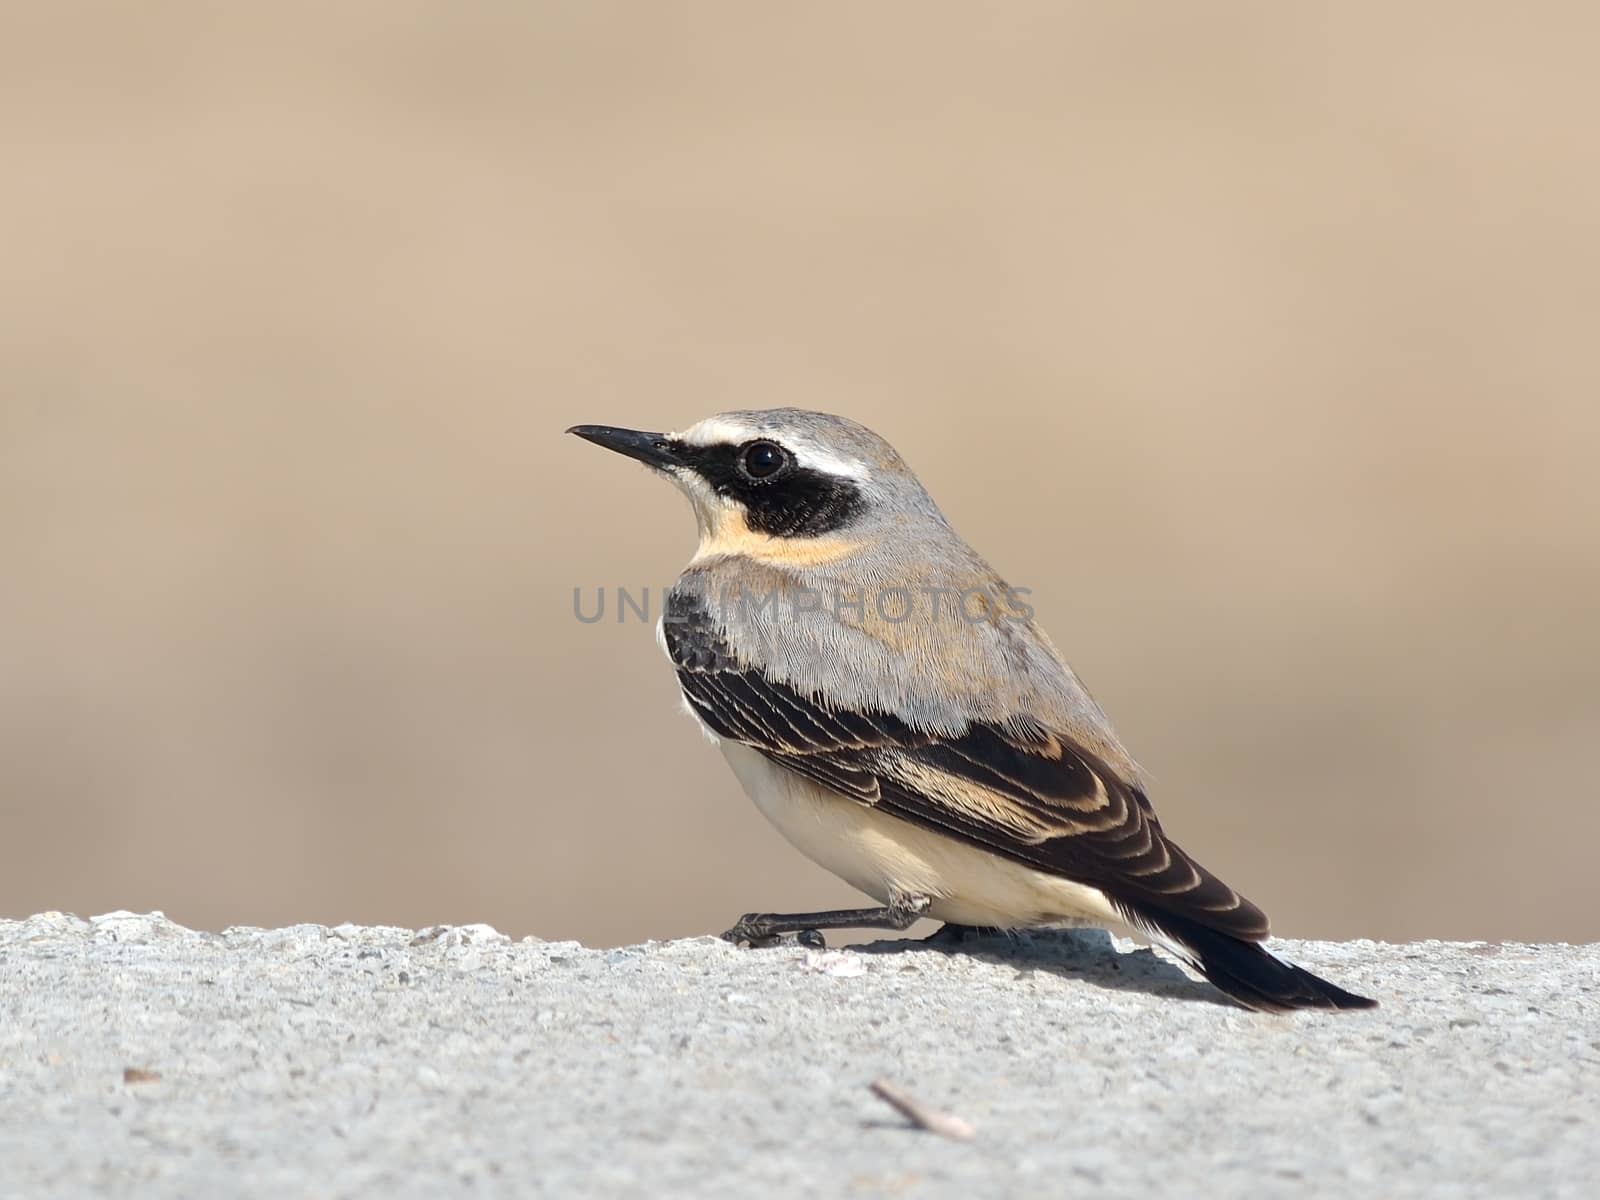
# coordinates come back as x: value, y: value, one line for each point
x: 762, y: 460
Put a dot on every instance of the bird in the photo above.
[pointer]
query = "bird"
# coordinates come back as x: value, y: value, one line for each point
x: 890, y: 704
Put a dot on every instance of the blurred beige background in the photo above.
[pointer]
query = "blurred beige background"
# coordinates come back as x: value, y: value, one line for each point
x: 1259, y: 340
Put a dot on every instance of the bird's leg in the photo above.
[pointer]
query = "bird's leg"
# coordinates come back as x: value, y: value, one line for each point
x: 764, y: 929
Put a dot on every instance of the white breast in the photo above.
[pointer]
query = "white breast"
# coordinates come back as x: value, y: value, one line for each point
x: 879, y: 854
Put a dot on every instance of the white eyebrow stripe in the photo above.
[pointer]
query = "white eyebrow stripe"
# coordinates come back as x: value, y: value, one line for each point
x: 715, y: 431
x: 828, y: 464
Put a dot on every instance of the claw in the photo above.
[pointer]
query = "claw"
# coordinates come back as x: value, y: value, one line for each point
x: 751, y: 930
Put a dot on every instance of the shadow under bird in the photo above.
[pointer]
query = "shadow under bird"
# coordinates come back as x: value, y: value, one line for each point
x: 887, y: 701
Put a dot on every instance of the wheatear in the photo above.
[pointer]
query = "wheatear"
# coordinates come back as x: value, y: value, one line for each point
x: 887, y: 701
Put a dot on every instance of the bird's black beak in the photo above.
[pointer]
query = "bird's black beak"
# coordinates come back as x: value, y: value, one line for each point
x: 652, y: 449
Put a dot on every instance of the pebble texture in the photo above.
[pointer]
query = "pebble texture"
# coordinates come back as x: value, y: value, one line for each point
x: 137, y: 1056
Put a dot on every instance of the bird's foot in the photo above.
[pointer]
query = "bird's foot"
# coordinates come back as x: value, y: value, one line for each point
x: 767, y: 929
x: 755, y: 931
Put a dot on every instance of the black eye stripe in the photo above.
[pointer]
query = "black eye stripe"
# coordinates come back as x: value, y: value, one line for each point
x: 791, y: 501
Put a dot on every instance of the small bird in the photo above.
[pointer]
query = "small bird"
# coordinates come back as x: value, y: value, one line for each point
x: 887, y: 701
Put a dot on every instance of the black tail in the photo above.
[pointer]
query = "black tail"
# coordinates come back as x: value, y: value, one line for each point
x: 1244, y: 970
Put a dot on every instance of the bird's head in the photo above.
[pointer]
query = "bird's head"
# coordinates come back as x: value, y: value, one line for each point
x: 781, y: 484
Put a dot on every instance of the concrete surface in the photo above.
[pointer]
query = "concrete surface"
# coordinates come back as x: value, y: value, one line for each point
x: 137, y: 1056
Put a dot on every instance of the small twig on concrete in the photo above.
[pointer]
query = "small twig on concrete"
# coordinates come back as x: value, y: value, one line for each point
x: 944, y: 1124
